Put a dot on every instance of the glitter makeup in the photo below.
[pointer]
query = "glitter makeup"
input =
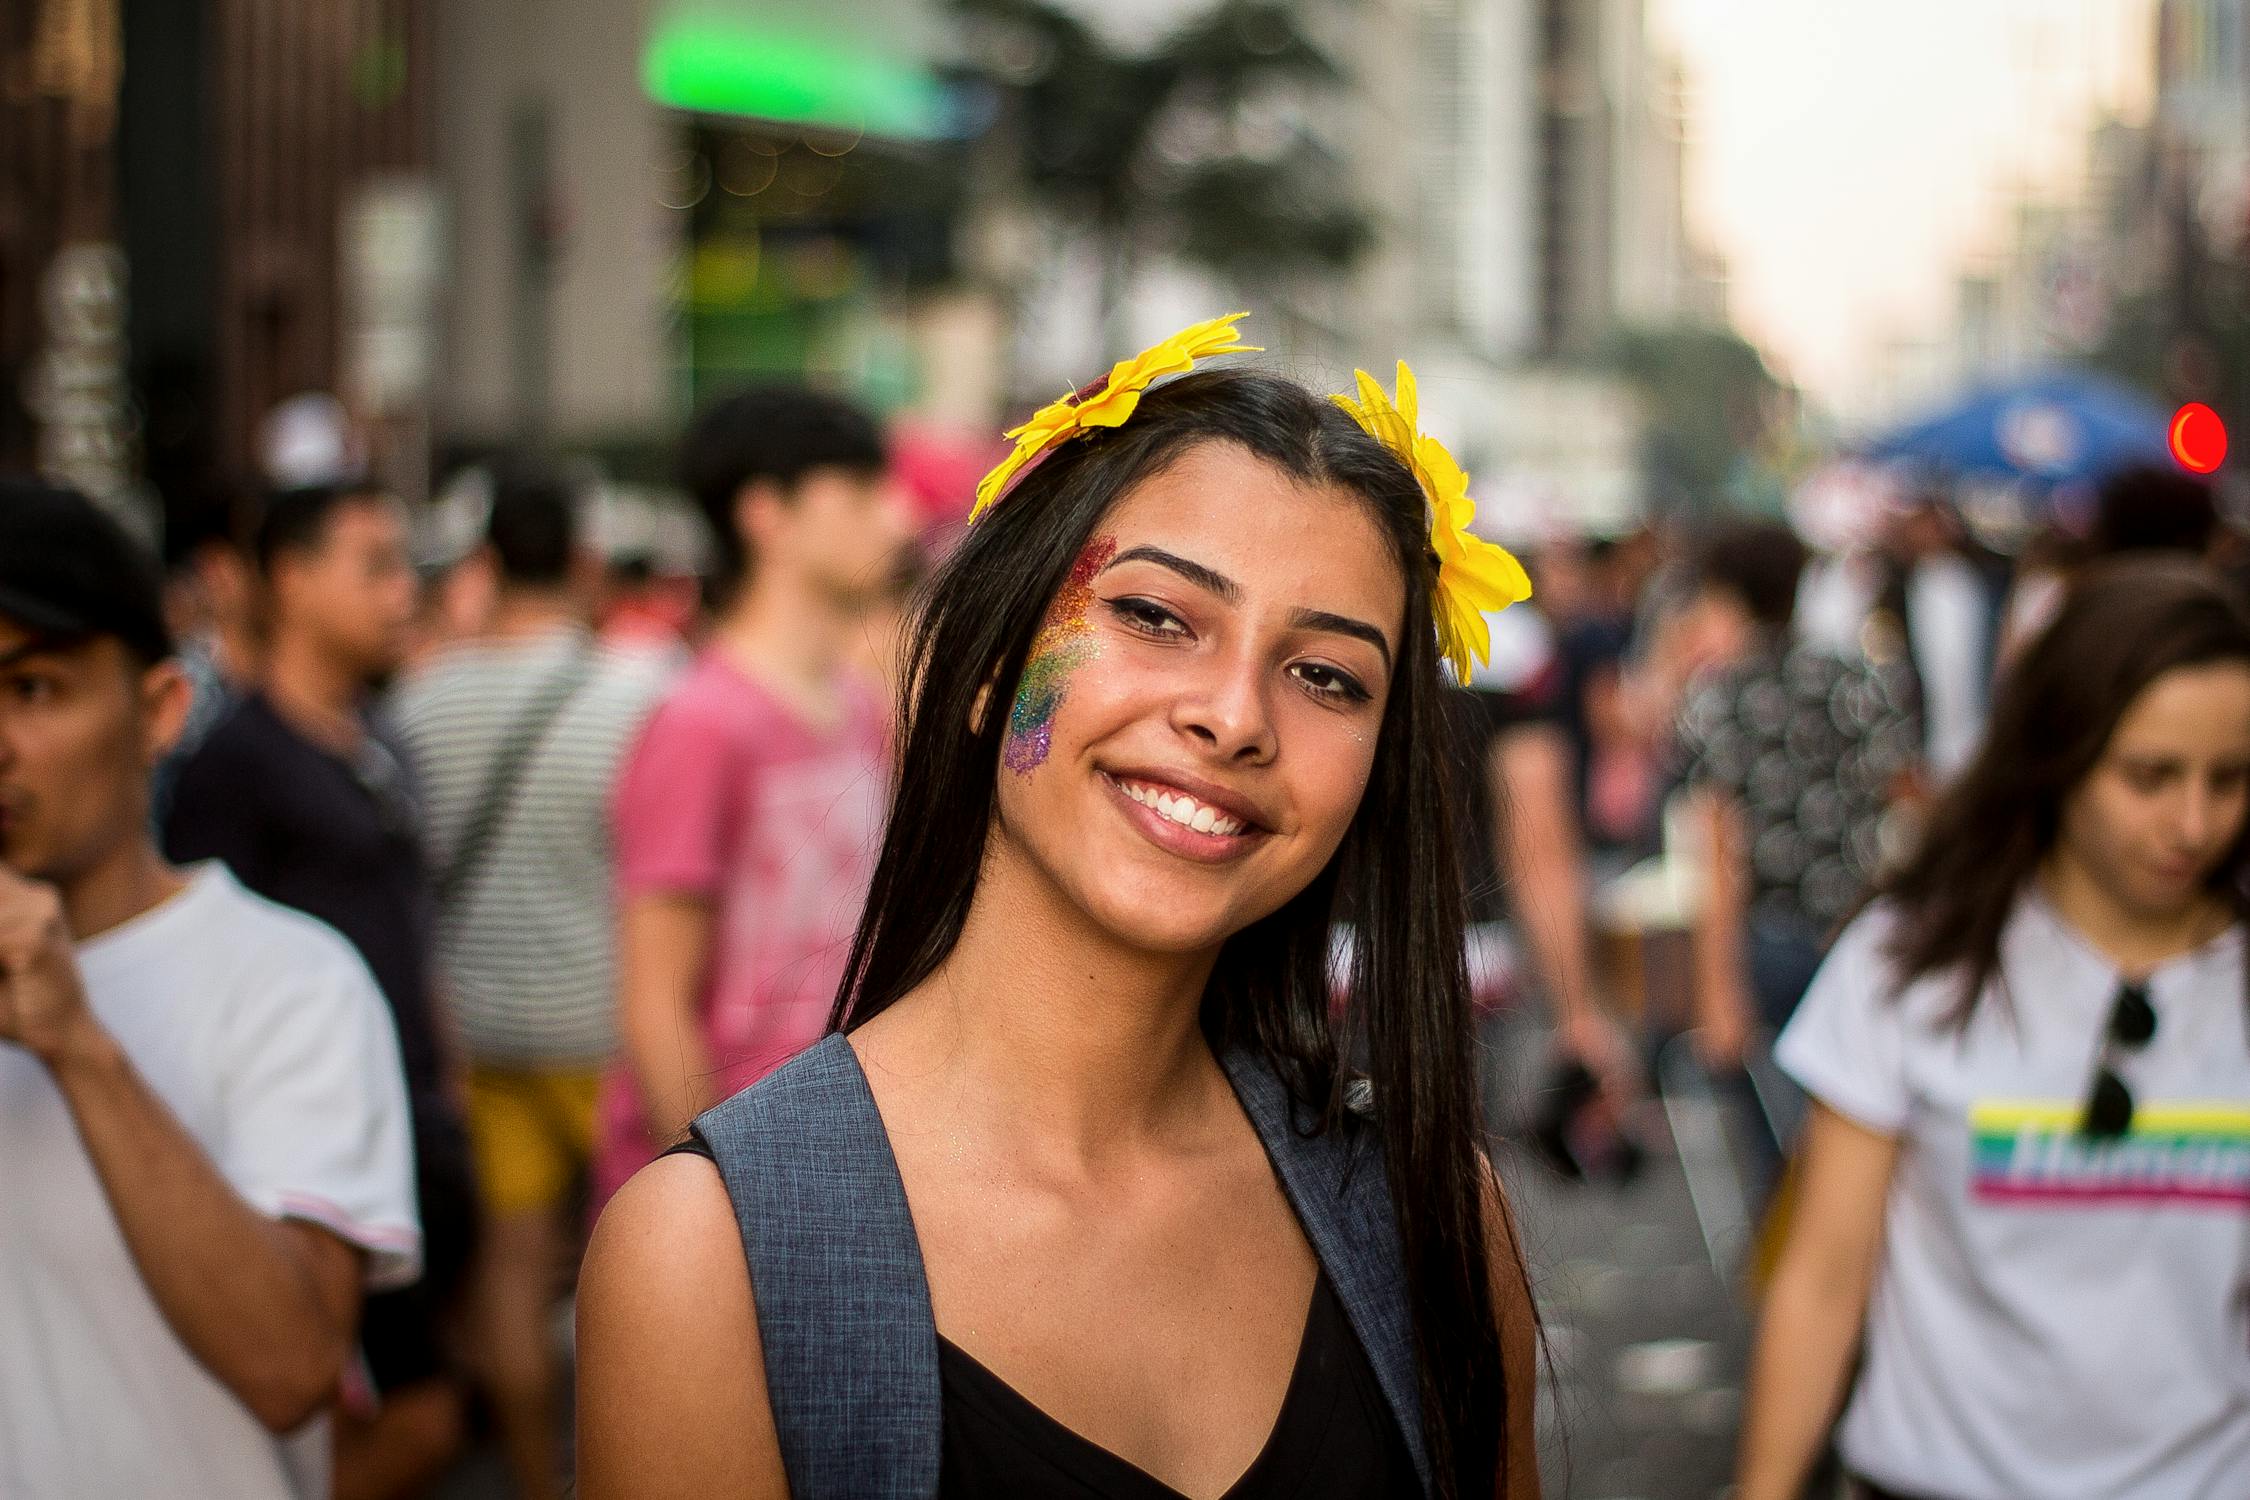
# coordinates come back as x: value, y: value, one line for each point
x: 1066, y: 642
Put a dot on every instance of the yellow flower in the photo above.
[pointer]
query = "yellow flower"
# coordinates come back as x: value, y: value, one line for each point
x: 1474, y: 576
x: 1111, y: 399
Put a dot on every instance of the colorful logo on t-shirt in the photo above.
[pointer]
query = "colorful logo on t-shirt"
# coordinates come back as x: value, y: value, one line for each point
x: 2027, y: 1151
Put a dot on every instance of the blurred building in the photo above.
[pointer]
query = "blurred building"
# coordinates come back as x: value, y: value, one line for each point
x: 1548, y: 213
x: 2127, y: 254
x: 187, y: 228
x: 568, y: 221
x: 650, y: 203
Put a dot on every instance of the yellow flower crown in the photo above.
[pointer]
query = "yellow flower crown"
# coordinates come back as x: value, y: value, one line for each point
x: 1473, y: 574
x: 1111, y: 399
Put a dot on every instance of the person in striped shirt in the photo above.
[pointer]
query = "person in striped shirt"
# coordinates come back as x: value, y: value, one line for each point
x: 516, y: 736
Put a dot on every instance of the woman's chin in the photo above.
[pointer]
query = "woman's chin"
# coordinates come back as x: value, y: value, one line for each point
x: 1174, y: 927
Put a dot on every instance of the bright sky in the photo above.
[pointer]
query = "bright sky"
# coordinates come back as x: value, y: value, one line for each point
x: 1849, y: 157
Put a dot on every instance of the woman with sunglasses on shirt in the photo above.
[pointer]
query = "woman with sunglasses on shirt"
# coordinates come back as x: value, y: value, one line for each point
x: 1088, y: 1193
x: 2025, y: 1179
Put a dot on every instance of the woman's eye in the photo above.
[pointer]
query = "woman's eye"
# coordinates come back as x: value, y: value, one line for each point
x: 1147, y: 618
x: 2146, y: 779
x: 28, y: 689
x: 1327, y: 682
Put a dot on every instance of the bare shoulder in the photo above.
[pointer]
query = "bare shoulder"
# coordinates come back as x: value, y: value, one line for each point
x: 671, y: 1376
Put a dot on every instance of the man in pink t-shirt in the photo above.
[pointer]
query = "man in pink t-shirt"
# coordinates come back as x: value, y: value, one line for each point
x: 749, y: 813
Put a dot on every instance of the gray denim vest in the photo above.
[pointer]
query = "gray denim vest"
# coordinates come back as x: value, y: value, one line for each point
x: 844, y: 1306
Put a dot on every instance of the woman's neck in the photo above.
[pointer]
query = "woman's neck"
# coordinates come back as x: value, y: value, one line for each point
x: 1077, y: 1048
x: 2135, y: 941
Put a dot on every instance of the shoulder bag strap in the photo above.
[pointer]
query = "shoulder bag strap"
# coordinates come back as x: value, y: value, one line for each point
x: 488, y: 811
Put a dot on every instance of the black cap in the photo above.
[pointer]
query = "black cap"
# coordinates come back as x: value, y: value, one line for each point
x: 69, y: 571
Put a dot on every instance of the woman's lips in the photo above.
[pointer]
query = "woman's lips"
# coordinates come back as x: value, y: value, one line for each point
x: 1178, y: 838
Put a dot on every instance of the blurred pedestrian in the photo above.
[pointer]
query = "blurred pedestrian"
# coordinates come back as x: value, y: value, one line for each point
x: 749, y: 811
x: 1530, y: 843
x: 1943, y: 598
x: 211, y: 600
x: 1029, y: 1221
x: 646, y: 612
x: 207, y: 1153
x: 515, y: 739
x: 1793, y: 754
x: 2024, y: 1178
x: 2141, y: 509
x: 309, y: 804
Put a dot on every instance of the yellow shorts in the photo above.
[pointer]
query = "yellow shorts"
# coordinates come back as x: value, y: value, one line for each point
x: 533, y: 1133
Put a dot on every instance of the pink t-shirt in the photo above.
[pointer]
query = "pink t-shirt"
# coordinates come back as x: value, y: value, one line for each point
x: 728, y: 794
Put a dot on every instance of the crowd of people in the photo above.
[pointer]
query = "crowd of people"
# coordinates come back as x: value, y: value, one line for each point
x: 919, y: 959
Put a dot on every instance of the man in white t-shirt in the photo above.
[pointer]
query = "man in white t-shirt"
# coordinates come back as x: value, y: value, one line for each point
x: 207, y: 1154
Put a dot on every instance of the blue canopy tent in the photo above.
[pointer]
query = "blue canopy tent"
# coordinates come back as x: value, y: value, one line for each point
x: 2059, y: 429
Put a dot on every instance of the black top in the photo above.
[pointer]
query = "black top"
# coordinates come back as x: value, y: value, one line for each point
x: 1334, y: 1440
x: 338, y: 839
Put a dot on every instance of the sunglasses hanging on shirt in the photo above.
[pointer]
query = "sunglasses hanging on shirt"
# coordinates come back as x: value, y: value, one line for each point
x: 2132, y: 1023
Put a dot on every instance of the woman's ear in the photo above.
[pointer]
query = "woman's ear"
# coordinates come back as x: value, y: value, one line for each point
x: 977, y: 707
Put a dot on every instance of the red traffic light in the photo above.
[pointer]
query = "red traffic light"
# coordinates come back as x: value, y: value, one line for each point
x: 2199, y: 438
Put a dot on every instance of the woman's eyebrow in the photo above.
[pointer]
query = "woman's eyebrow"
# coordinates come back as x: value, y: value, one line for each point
x: 1196, y: 573
x: 1321, y: 619
x: 1226, y: 589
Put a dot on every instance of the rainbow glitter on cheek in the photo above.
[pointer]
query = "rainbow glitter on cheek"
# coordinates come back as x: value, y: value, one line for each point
x: 1066, y: 642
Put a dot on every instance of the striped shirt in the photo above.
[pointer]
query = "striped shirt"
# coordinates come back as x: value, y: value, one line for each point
x: 528, y: 943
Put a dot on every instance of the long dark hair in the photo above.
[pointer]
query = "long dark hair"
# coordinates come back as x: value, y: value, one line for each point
x: 2121, y: 626
x: 1396, y: 872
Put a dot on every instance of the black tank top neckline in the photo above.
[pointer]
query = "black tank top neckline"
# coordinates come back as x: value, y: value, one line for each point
x: 1334, y: 1439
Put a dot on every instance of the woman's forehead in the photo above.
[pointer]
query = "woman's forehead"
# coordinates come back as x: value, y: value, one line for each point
x: 2189, y: 706
x: 1228, y: 509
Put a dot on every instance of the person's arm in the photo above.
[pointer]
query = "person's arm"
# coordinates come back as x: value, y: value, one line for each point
x: 676, y: 808
x: 1519, y: 1342
x: 664, y: 944
x: 1530, y: 768
x: 1817, y: 1303
x: 1723, y: 1007
x: 671, y: 1373
x: 269, y: 1308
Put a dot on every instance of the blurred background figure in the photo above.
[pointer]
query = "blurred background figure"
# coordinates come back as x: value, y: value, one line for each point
x: 309, y: 803
x: 1526, y: 855
x: 1941, y: 597
x: 2139, y: 509
x: 645, y: 612
x: 212, y: 600
x: 2042, y: 1231
x: 515, y: 737
x: 1793, y: 758
x: 748, y: 814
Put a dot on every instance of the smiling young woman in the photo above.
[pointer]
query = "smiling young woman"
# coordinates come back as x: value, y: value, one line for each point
x: 1083, y: 1197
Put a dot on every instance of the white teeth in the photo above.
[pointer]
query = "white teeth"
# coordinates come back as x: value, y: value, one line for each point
x: 1185, y: 811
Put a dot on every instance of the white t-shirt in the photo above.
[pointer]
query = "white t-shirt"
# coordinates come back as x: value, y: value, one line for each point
x: 263, y: 1032
x: 2053, y: 1317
